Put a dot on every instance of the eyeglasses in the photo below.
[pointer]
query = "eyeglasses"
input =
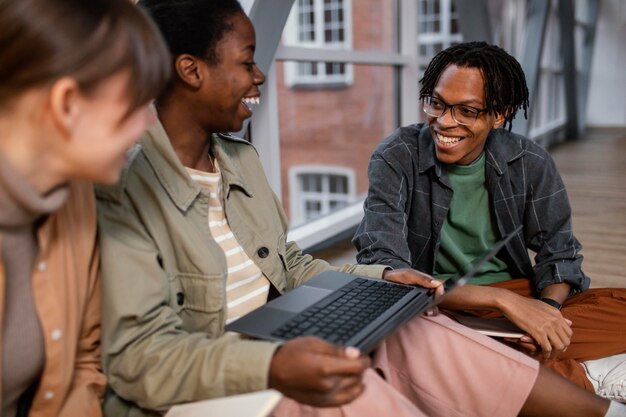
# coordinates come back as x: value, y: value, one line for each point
x: 462, y: 114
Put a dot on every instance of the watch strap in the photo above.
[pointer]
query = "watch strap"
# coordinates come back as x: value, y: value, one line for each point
x: 551, y: 302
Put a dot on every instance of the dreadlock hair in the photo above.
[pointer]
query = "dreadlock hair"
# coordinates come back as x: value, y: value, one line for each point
x: 505, y: 84
x: 193, y: 27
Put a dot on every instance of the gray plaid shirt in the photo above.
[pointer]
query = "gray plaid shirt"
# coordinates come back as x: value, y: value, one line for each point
x: 409, y: 197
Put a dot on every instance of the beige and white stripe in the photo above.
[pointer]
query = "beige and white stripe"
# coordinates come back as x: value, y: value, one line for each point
x: 246, y: 286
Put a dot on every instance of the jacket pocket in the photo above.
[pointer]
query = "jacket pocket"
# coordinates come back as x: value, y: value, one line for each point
x: 199, y: 301
x: 200, y: 292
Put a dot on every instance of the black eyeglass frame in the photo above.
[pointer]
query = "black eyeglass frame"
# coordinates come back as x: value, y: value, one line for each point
x: 447, y: 106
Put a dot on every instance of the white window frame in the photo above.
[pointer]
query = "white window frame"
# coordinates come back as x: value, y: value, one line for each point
x: 443, y: 36
x: 298, y: 197
x: 292, y: 76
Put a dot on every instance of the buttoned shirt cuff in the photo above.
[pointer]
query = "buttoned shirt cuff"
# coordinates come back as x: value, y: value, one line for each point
x: 559, y: 273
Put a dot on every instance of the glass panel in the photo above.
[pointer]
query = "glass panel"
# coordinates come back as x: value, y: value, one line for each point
x: 312, y: 209
x: 338, y: 184
x: 335, y: 127
x: 311, y: 182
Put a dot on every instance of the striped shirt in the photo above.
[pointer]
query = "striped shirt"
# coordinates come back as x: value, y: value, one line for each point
x: 246, y: 286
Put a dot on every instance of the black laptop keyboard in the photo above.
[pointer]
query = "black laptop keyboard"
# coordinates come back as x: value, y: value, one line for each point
x: 345, y: 312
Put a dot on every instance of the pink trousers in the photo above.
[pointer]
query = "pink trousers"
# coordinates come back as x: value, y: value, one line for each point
x: 434, y: 367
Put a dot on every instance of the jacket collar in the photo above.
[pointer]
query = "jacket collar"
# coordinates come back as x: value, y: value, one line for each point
x: 501, y: 148
x: 173, y: 176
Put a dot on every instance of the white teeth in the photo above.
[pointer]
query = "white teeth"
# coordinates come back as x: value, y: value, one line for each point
x: 251, y: 100
x: 447, y: 140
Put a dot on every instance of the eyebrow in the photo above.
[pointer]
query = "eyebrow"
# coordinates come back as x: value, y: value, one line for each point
x: 470, y: 102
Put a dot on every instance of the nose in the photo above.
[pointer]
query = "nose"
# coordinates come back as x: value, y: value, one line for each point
x: 446, y: 118
x: 259, y: 77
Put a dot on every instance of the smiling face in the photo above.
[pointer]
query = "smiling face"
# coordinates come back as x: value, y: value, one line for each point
x: 456, y: 143
x: 233, y: 83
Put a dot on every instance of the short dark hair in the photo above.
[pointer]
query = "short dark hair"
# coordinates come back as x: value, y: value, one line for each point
x: 193, y: 27
x: 505, y: 84
x: 44, y: 40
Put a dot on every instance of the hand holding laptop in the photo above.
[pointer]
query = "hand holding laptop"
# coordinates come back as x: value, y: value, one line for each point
x: 313, y: 371
x: 413, y: 277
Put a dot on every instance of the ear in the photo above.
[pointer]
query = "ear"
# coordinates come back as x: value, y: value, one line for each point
x: 188, y: 70
x: 498, y: 121
x: 65, y: 104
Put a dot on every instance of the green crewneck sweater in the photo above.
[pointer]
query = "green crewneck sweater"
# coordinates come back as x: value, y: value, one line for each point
x: 468, y: 230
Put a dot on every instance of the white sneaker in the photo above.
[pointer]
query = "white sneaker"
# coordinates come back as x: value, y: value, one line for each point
x: 608, y: 376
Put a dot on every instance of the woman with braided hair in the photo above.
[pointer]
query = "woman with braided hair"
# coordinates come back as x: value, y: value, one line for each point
x: 462, y: 180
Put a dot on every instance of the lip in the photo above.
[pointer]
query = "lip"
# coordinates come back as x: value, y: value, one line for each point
x: 250, y: 102
x: 446, y: 141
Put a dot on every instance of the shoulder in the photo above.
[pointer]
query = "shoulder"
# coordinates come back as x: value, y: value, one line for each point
x: 395, y: 146
x: 235, y: 145
x: 520, y: 145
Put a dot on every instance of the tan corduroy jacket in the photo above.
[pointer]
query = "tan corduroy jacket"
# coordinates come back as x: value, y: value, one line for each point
x: 66, y: 290
x: 164, y: 277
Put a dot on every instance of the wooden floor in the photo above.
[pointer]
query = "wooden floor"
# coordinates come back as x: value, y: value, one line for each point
x: 594, y: 172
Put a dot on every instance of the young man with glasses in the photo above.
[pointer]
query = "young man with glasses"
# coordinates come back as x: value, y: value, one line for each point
x: 442, y: 192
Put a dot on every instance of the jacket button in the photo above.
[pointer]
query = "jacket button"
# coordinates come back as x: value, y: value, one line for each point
x: 180, y: 298
x: 263, y: 252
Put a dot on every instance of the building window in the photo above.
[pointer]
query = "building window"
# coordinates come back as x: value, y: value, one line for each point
x: 438, y: 25
x: 319, y: 190
x: 319, y: 24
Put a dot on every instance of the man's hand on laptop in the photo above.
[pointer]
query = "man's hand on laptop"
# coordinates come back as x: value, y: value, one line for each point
x: 413, y: 277
x: 315, y: 372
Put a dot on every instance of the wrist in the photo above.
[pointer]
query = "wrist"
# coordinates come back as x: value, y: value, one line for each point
x: 551, y: 302
x: 386, y: 271
x: 504, y: 300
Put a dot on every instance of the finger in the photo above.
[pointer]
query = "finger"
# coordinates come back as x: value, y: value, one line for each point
x: 546, y: 347
x: 568, y: 321
x: 321, y: 346
x: 559, y: 341
x: 413, y: 277
x: 565, y: 334
x: 530, y: 347
x: 338, y: 366
x: 433, y: 311
x: 351, y: 352
x: 346, y: 391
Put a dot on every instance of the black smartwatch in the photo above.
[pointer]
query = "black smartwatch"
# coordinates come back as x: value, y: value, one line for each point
x: 551, y: 302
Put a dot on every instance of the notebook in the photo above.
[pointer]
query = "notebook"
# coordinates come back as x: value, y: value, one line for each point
x: 348, y: 309
x: 494, y: 327
x: 255, y: 404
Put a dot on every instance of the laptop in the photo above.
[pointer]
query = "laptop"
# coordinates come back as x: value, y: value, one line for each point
x: 348, y: 309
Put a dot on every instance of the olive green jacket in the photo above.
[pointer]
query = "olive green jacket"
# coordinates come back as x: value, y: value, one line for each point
x: 164, y: 277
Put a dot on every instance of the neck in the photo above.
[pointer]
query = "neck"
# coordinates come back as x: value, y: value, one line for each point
x: 27, y: 144
x: 189, y: 140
